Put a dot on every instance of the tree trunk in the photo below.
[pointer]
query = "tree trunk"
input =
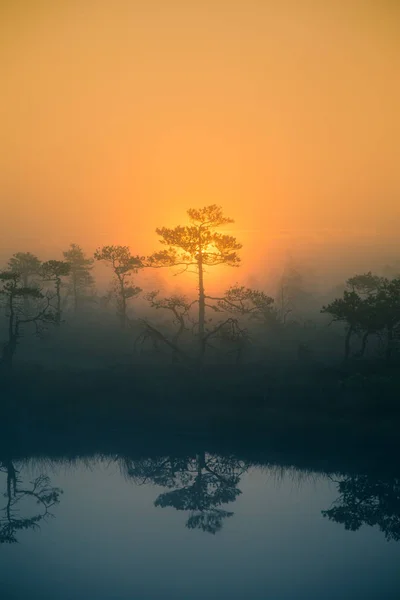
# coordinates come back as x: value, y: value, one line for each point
x: 202, y: 305
x: 8, y: 353
x: 122, y: 315
x: 25, y: 281
x: 364, y: 344
x: 11, y: 317
x: 347, y: 343
x: 10, y: 346
x: 58, y: 292
x: 389, y: 347
x: 75, y: 292
x: 11, y: 479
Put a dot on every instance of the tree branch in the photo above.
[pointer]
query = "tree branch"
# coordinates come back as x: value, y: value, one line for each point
x: 163, y: 339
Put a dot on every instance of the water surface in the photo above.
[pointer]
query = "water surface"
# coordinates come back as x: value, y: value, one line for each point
x: 197, y: 527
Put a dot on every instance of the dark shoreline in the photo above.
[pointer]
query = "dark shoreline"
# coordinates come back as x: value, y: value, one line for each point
x: 321, y: 420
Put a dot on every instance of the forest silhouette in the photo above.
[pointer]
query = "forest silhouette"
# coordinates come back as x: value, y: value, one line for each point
x: 295, y: 361
x: 46, y: 293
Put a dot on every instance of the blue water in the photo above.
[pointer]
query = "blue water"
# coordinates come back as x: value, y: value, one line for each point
x: 108, y: 540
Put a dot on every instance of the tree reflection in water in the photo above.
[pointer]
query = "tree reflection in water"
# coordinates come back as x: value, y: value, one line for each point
x: 39, y: 491
x: 202, y: 485
x: 199, y: 485
x: 365, y: 500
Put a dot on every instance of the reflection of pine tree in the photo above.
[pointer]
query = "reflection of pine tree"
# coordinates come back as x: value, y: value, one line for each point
x: 367, y: 501
x: 159, y: 471
x: 199, y: 485
x: 39, y: 490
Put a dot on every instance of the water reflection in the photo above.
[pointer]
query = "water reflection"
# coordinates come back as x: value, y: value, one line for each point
x: 204, y: 486
x: 144, y: 535
x: 17, y: 515
x: 365, y: 500
x: 199, y: 485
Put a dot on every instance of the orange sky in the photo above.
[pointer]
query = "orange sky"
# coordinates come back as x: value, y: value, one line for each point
x: 117, y: 116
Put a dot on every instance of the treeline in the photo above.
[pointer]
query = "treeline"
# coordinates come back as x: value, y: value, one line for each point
x: 36, y: 295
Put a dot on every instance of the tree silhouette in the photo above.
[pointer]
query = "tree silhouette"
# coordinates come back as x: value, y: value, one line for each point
x: 366, y: 284
x: 246, y: 301
x: 27, y: 265
x: 54, y: 271
x: 39, y: 490
x: 123, y: 264
x: 372, y: 306
x: 350, y: 310
x: 365, y: 500
x: 387, y: 307
x: 231, y: 336
x: 179, y: 306
x: 198, y: 245
x: 199, y: 485
x: 14, y: 292
x: 80, y: 277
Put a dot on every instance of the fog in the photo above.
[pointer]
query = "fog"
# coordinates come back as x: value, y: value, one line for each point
x: 118, y: 118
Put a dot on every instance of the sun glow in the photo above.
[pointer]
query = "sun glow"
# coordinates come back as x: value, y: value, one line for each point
x: 161, y: 106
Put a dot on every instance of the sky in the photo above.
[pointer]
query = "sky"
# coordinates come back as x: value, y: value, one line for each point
x: 118, y: 116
